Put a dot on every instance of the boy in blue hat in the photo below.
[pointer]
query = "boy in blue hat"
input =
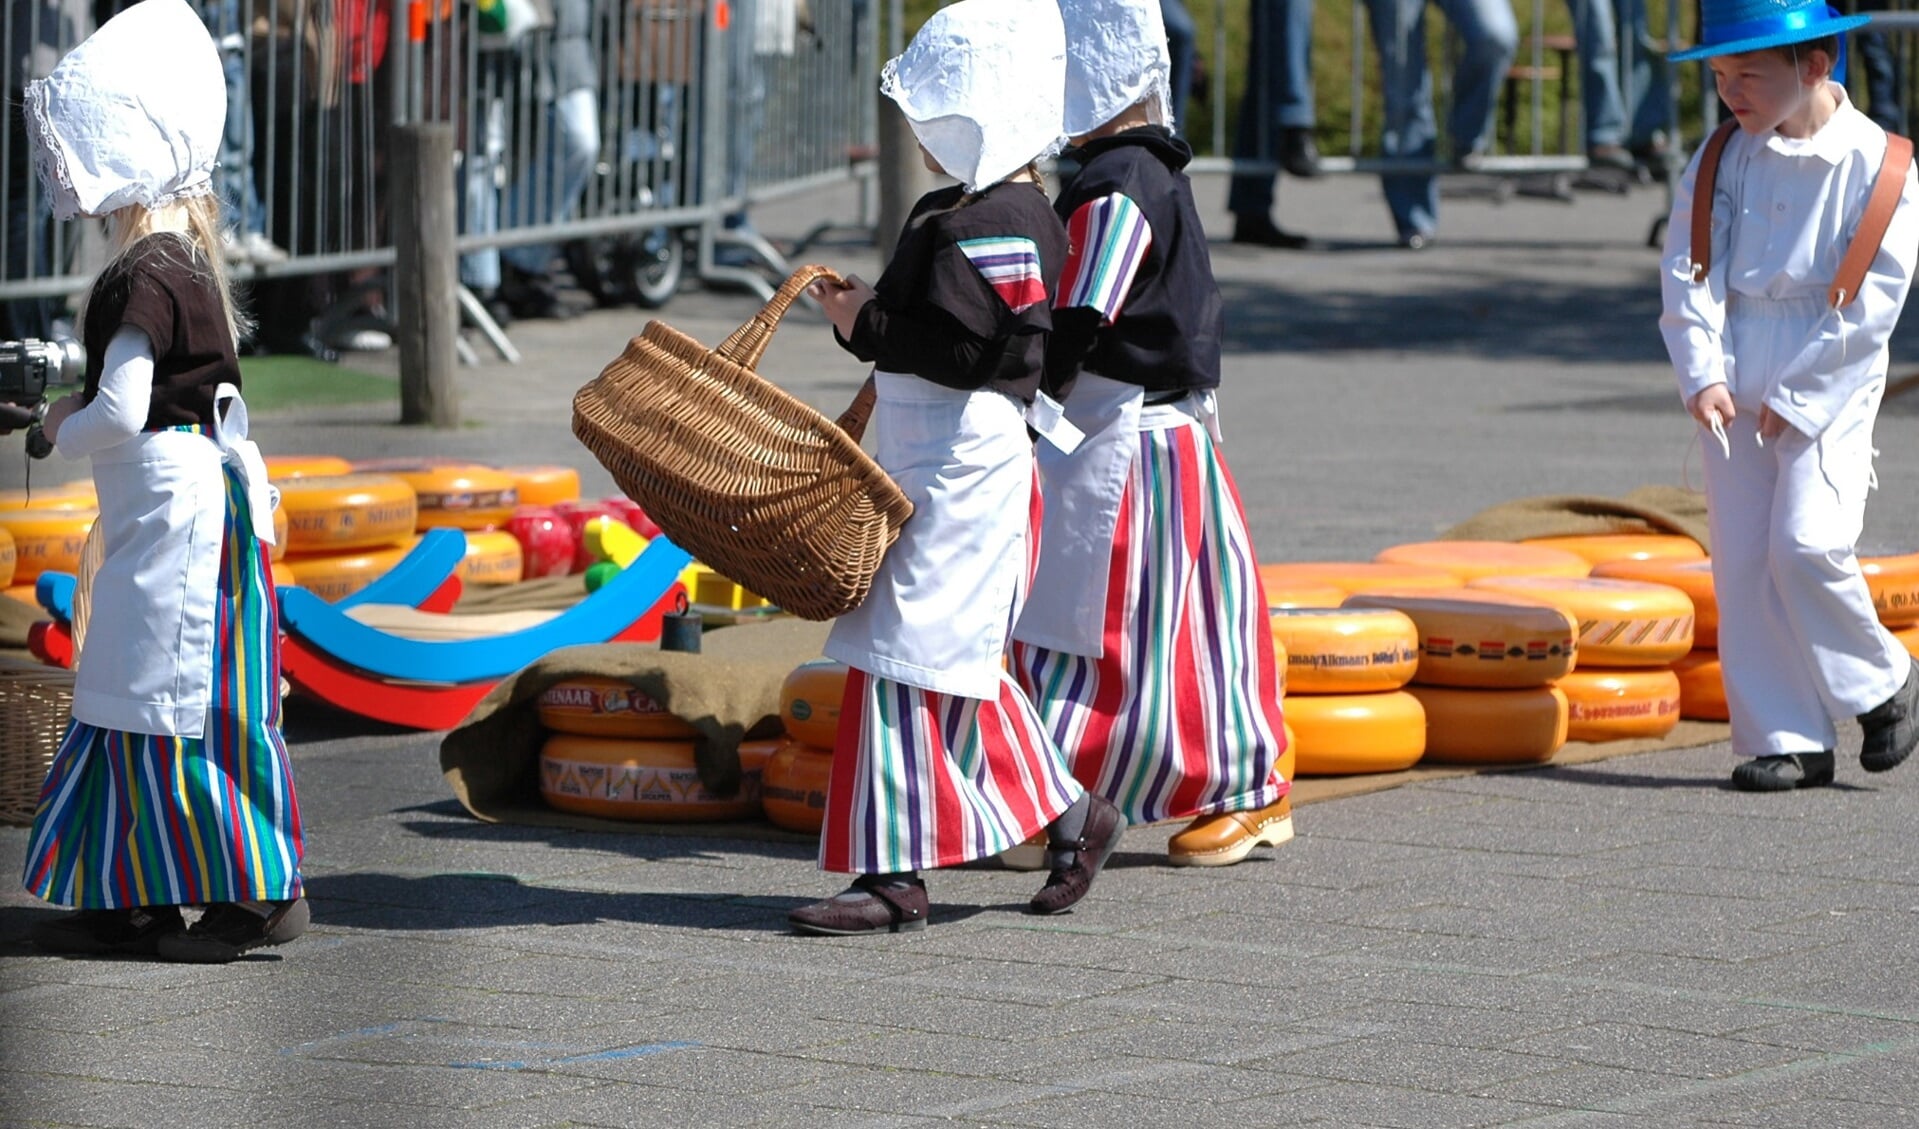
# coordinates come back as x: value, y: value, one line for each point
x: 1779, y: 342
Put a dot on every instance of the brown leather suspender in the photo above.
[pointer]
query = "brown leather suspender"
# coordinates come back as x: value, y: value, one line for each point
x: 1887, y: 187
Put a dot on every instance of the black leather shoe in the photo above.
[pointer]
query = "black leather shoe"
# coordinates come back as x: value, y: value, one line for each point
x: 1891, y: 728
x: 873, y: 904
x: 1259, y: 231
x: 98, y: 932
x: 1299, y: 153
x: 1783, y: 773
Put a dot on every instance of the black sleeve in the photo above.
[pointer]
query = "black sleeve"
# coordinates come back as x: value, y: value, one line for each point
x: 930, y: 344
x: 1074, y: 332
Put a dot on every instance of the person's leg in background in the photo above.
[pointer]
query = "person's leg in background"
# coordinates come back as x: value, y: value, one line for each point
x: 1270, y: 109
x: 1595, y: 31
x: 484, y: 159
x: 1182, y: 45
x: 1490, y: 33
x: 246, y: 236
x: 1409, y: 129
x: 1646, y: 95
x: 1880, y: 65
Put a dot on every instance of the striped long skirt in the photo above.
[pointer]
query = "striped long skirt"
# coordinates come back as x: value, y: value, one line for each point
x: 1181, y: 715
x: 132, y: 819
x: 923, y: 780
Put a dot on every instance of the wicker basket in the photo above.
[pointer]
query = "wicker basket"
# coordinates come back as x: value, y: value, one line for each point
x: 749, y: 480
x: 35, y: 702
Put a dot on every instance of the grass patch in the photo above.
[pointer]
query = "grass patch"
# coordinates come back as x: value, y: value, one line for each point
x: 281, y: 382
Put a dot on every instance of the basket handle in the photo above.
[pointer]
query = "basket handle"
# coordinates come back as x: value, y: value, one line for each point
x: 748, y: 343
x: 853, y: 419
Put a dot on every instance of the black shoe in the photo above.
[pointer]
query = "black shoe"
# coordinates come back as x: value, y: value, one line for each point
x: 1259, y: 231
x: 1075, y: 863
x: 1891, y: 728
x: 873, y: 904
x: 226, y: 930
x: 96, y: 932
x: 1614, y: 157
x: 1783, y: 773
x: 1416, y: 240
x: 1299, y: 153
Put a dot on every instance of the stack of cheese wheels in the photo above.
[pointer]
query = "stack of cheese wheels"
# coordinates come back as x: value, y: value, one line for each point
x: 47, y: 537
x: 1630, y: 633
x: 454, y: 495
x: 1346, y: 711
x: 796, y: 777
x: 613, y: 751
x: 1602, y: 548
x: 544, y: 485
x: 1300, y: 581
x: 345, y: 531
x: 282, y: 467
x: 1474, y: 560
x: 1701, y: 697
x: 1487, y: 664
x: 6, y: 559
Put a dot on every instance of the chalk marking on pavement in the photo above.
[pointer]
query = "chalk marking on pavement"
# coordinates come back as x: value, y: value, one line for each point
x: 614, y: 1055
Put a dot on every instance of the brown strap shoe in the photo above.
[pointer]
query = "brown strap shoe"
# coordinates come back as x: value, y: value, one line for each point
x: 1070, y: 880
x: 1226, y: 838
x: 870, y: 905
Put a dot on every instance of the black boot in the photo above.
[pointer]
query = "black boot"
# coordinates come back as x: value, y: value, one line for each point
x: 1891, y: 728
x: 1783, y: 773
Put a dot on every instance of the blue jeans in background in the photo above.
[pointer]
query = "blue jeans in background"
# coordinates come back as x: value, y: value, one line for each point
x: 1279, y: 95
x: 573, y: 140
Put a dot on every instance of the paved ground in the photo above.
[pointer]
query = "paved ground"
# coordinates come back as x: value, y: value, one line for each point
x: 1627, y: 943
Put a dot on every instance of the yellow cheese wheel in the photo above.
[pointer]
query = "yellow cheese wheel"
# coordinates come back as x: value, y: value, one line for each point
x: 282, y: 467
x: 1694, y: 578
x: 461, y: 497
x: 493, y: 556
x: 46, y: 540
x: 282, y: 575
x: 26, y: 594
x: 1492, y: 726
x: 646, y: 781
x: 1351, y: 576
x: 1627, y: 623
x: 1345, y: 650
x: 1470, y: 560
x: 75, y: 495
x: 327, y: 513
x: 544, y: 485
x: 332, y: 576
x: 1302, y: 594
x: 1598, y: 548
x: 1483, y: 640
x: 1909, y: 638
x: 1340, y: 734
x: 6, y: 559
x: 793, y: 787
x: 1894, y: 583
x: 607, y: 707
x: 810, y: 702
x: 280, y: 525
x: 1614, y: 705
x: 1288, y: 763
x: 1702, y: 687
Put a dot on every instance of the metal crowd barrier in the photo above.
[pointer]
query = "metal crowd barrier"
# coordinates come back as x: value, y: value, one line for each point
x: 700, y: 108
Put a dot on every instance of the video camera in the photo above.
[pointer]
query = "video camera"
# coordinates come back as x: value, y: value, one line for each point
x: 27, y: 369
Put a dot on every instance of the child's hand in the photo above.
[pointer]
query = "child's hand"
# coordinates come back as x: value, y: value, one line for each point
x: 1771, y: 424
x: 842, y: 302
x: 1714, y: 401
x: 57, y: 412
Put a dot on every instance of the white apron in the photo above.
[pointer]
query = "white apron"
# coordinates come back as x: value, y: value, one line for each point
x: 148, y: 663
x: 1083, y: 488
x: 946, y: 593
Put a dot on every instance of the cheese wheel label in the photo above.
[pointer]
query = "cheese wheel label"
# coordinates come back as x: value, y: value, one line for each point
x: 636, y: 784
x: 574, y: 696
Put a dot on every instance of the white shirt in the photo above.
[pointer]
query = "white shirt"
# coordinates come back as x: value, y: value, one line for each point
x: 1784, y: 212
x: 120, y: 405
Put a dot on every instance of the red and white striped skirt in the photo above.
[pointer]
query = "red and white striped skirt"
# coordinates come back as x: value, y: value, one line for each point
x: 1181, y: 716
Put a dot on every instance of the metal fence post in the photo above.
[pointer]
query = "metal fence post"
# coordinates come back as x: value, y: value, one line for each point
x: 425, y: 272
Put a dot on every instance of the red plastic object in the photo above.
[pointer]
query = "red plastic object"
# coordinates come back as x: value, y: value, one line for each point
x: 443, y: 597
x: 51, y: 643
x: 415, y: 705
x: 630, y: 512
x: 577, y: 514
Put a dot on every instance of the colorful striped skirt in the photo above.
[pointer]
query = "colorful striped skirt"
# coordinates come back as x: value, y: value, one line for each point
x: 923, y: 780
x: 1181, y: 715
x: 133, y: 819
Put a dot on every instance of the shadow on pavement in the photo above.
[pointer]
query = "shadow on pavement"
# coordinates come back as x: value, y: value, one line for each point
x: 1579, y: 774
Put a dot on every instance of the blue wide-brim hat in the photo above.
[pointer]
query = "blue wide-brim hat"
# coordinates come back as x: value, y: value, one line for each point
x: 1732, y: 27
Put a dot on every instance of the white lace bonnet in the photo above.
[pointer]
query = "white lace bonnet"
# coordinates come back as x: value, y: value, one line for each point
x: 1115, y: 56
x: 133, y: 115
x: 983, y: 84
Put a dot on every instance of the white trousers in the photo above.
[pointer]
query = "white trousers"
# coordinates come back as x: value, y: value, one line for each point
x: 1799, y: 641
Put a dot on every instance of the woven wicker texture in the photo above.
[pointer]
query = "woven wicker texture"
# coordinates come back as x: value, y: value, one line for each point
x: 91, y: 555
x: 35, y: 702
x: 757, y: 485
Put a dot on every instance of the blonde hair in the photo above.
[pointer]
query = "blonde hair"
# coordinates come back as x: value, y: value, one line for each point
x: 193, y: 222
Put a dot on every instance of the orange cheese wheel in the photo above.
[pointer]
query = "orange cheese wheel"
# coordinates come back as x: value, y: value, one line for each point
x: 1615, y: 705
x: 1625, y: 623
x: 1302, y: 594
x: 6, y: 559
x: 544, y: 485
x: 793, y: 787
x: 333, y: 576
x: 1492, y: 726
x: 1694, y: 578
x: 461, y: 497
x: 810, y: 702
x: 46, y: 540
x: 25, y: 593
x: 75, y: 495
x: 328, y: 513
x: 1345, y: 650
x: 607, y: 707
x: 281, y: 575
x: 1483, y: 640
x: 1340, y: 734
x: 1598, y: 548
x: 493, y: 556
x: 1288, y: 763
x: 280, y: 525
x: 645, y: 781
x: 1470, y: 560
x: 1909, y: 638
x: 1702, y: 687
x: 1352, y: 576
x: 280, y: 467
x: 1894, y: 583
